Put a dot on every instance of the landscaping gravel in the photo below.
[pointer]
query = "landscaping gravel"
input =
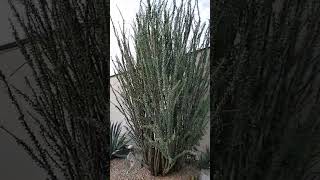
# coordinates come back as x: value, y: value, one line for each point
x: 119, y: 168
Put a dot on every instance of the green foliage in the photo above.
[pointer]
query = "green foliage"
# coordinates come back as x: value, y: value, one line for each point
x: 118, y: 141
x: 164, y: 82
x: 204, y: 160
x: 266, y: 122
x: 67, y: 112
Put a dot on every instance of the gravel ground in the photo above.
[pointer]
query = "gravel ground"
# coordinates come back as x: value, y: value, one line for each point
x: 119, y: 168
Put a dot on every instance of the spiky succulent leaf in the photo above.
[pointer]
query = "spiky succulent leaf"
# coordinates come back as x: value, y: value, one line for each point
x: 118, y: 140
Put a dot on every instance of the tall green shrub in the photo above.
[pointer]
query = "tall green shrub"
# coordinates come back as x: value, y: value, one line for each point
x: 164, y: 82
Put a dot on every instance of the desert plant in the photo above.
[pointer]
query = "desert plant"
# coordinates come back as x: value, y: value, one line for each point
x: 118, y: 141
x: 266, y: 119
x: 67, y: 121
x: 164, y: 85
x: 204, y: 159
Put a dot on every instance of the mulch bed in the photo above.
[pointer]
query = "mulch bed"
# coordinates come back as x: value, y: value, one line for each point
x: 119, y: 168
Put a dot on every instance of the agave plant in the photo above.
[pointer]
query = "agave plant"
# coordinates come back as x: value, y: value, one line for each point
x: 118, y: 141
x: 204, y: 160
x: 164, y: 85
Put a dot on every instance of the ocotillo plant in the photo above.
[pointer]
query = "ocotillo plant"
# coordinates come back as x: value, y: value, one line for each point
x: 67, y: 120
x: 164, y: 81
x: 267, y: 125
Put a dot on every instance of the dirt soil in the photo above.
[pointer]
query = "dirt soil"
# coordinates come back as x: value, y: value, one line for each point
x: 119, y: 169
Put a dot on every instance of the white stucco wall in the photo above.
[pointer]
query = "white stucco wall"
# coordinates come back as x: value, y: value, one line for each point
x: 115, y: 114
